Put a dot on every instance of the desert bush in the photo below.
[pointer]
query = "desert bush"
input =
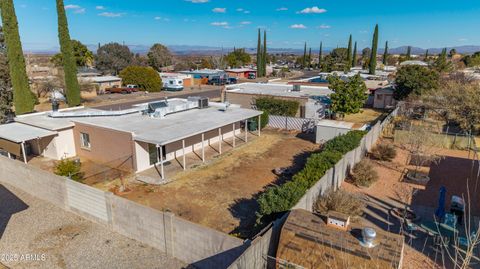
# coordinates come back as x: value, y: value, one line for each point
x: 340, y: 201
x: 69, y: 168
x: 363, y: 174
x: 282, y: 198
x: 384, y: 152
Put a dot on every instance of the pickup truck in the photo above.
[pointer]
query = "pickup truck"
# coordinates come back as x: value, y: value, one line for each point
x: 122, y: 90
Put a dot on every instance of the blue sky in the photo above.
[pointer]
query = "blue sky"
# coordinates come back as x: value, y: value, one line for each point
x: 228, y: 23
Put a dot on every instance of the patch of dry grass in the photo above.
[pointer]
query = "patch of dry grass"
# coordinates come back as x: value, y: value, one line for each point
x: 368, y: 115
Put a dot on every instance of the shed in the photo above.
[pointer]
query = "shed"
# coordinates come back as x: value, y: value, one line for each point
x: 328, y: 129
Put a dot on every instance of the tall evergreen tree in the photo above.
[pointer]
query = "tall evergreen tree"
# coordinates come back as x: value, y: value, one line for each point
x: 373, y: 55
x: 354, y: 55
x: 6, y: 94
x: 426, y: 55
x: 409, y: 53
x: 385, y: 54
x: 69, y: 64
x: 310, y: 57
x: 264, y: 54
x: 304, y: 62
x: 259, y: 55
x: 23, y: 98
x: 349, y: 55
x: 320, y: 55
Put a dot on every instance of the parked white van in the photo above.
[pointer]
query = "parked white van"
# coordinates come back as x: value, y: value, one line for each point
x: 173, y: 84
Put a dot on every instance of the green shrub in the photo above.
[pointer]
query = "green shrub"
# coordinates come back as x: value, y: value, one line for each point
x: 345, y: 143
x: 263, y: 120
x: 384, y: 152
x: 277, y: 106
x: 363, y: 174
x: 146, y: 78
x: 69, y: 168
x: 282, y: 198
x: 340, y: 201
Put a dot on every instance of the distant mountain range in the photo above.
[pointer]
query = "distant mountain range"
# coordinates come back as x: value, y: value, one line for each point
x: 210, y: 50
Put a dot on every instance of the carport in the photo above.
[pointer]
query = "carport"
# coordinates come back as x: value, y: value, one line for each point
x: 15, y: 136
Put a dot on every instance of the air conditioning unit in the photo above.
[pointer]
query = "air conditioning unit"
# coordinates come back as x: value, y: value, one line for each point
x: 202, y: 101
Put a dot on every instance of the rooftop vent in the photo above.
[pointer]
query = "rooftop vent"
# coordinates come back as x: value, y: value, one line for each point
x: 338, y: 220
x: 202, y: 101
x: 368, y: 237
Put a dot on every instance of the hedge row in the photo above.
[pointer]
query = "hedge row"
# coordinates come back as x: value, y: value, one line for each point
x: 282, y: 198
x: 277, y: 107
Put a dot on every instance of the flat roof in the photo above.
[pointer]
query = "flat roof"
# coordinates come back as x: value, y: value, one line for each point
x: 336, y: 124
x: 102, y: 79
x: 18, y: 132
x: 173, y: 127
x: 240, y: 70
x: 283, y: 90
x: 42, y: 120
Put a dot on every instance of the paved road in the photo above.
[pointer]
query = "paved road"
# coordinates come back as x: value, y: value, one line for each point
x: 128, y: 104
x: 308, y: 74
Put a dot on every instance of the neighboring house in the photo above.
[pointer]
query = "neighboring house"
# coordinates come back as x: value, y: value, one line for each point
x: 311, y: 241
x: 413, y: 62
x: 241, y: 72
x: 313, y: 100
x: 201, y: 76
x: 137, y: 138
x: 383, y: 98
x: 102, y: 82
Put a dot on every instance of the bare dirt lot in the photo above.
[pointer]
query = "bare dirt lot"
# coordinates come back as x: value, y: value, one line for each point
x: 221, y: 194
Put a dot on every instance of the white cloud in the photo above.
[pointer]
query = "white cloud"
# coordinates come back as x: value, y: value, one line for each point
x: 219, y: 23
x: 298, y: 26
x: 72, y: 7
x: 312, y: 10
x: 219, y: 10
x: 282, y: 9
x: 239, y: 9
x: 111, y: 14
x: 198, y: 1
x: 247, y: 12
x: 462, y: 39
x: 79, y: 11
x: 324, y: 26
x: 245, y: 22
x: 99, y: 7
x: 23, y: 6
x: 158, y: 18
x: 76, y: 9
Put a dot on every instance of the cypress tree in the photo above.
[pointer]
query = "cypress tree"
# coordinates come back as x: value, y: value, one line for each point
x: 23, y: 98
x: 426, y: 55
x: 69, y: 64
x: 409, y: 53
x: 349, y: 54
x: 373, y: 55
x: 354, y: 55
x: 310, y: 57
x: 385, y: 54
x: 304, y: 55
x: 259, y: 55
x: 320, y: 55
x: 264, y: 54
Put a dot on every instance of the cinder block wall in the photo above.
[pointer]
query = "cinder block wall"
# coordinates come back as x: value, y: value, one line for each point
x: 189, y: 242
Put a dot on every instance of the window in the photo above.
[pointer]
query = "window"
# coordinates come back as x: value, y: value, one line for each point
x: 85, y: 141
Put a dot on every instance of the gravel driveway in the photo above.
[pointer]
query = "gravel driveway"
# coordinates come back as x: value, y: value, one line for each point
x: 36, y: 234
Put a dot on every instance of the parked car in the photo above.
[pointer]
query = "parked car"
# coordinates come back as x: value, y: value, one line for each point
x: 217, y: 81
x: 134, y: 87
x: 122, y: 90
x: 232, y: 81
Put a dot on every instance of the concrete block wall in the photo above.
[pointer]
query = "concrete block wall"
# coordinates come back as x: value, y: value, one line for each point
x: 192, y: 243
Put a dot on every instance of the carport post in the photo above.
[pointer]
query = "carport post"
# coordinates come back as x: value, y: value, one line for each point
x: 161, y: 162
x: 259, y: 124
x: 203, y: 147
x: 220, y: 140
x: 233, y: 127
x: 23, y: 153
x: 246, y: 131
x: 183, y: 150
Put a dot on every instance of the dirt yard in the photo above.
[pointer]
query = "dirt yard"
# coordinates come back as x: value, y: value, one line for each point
x: 221, y: 194
x: 386, y: 194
